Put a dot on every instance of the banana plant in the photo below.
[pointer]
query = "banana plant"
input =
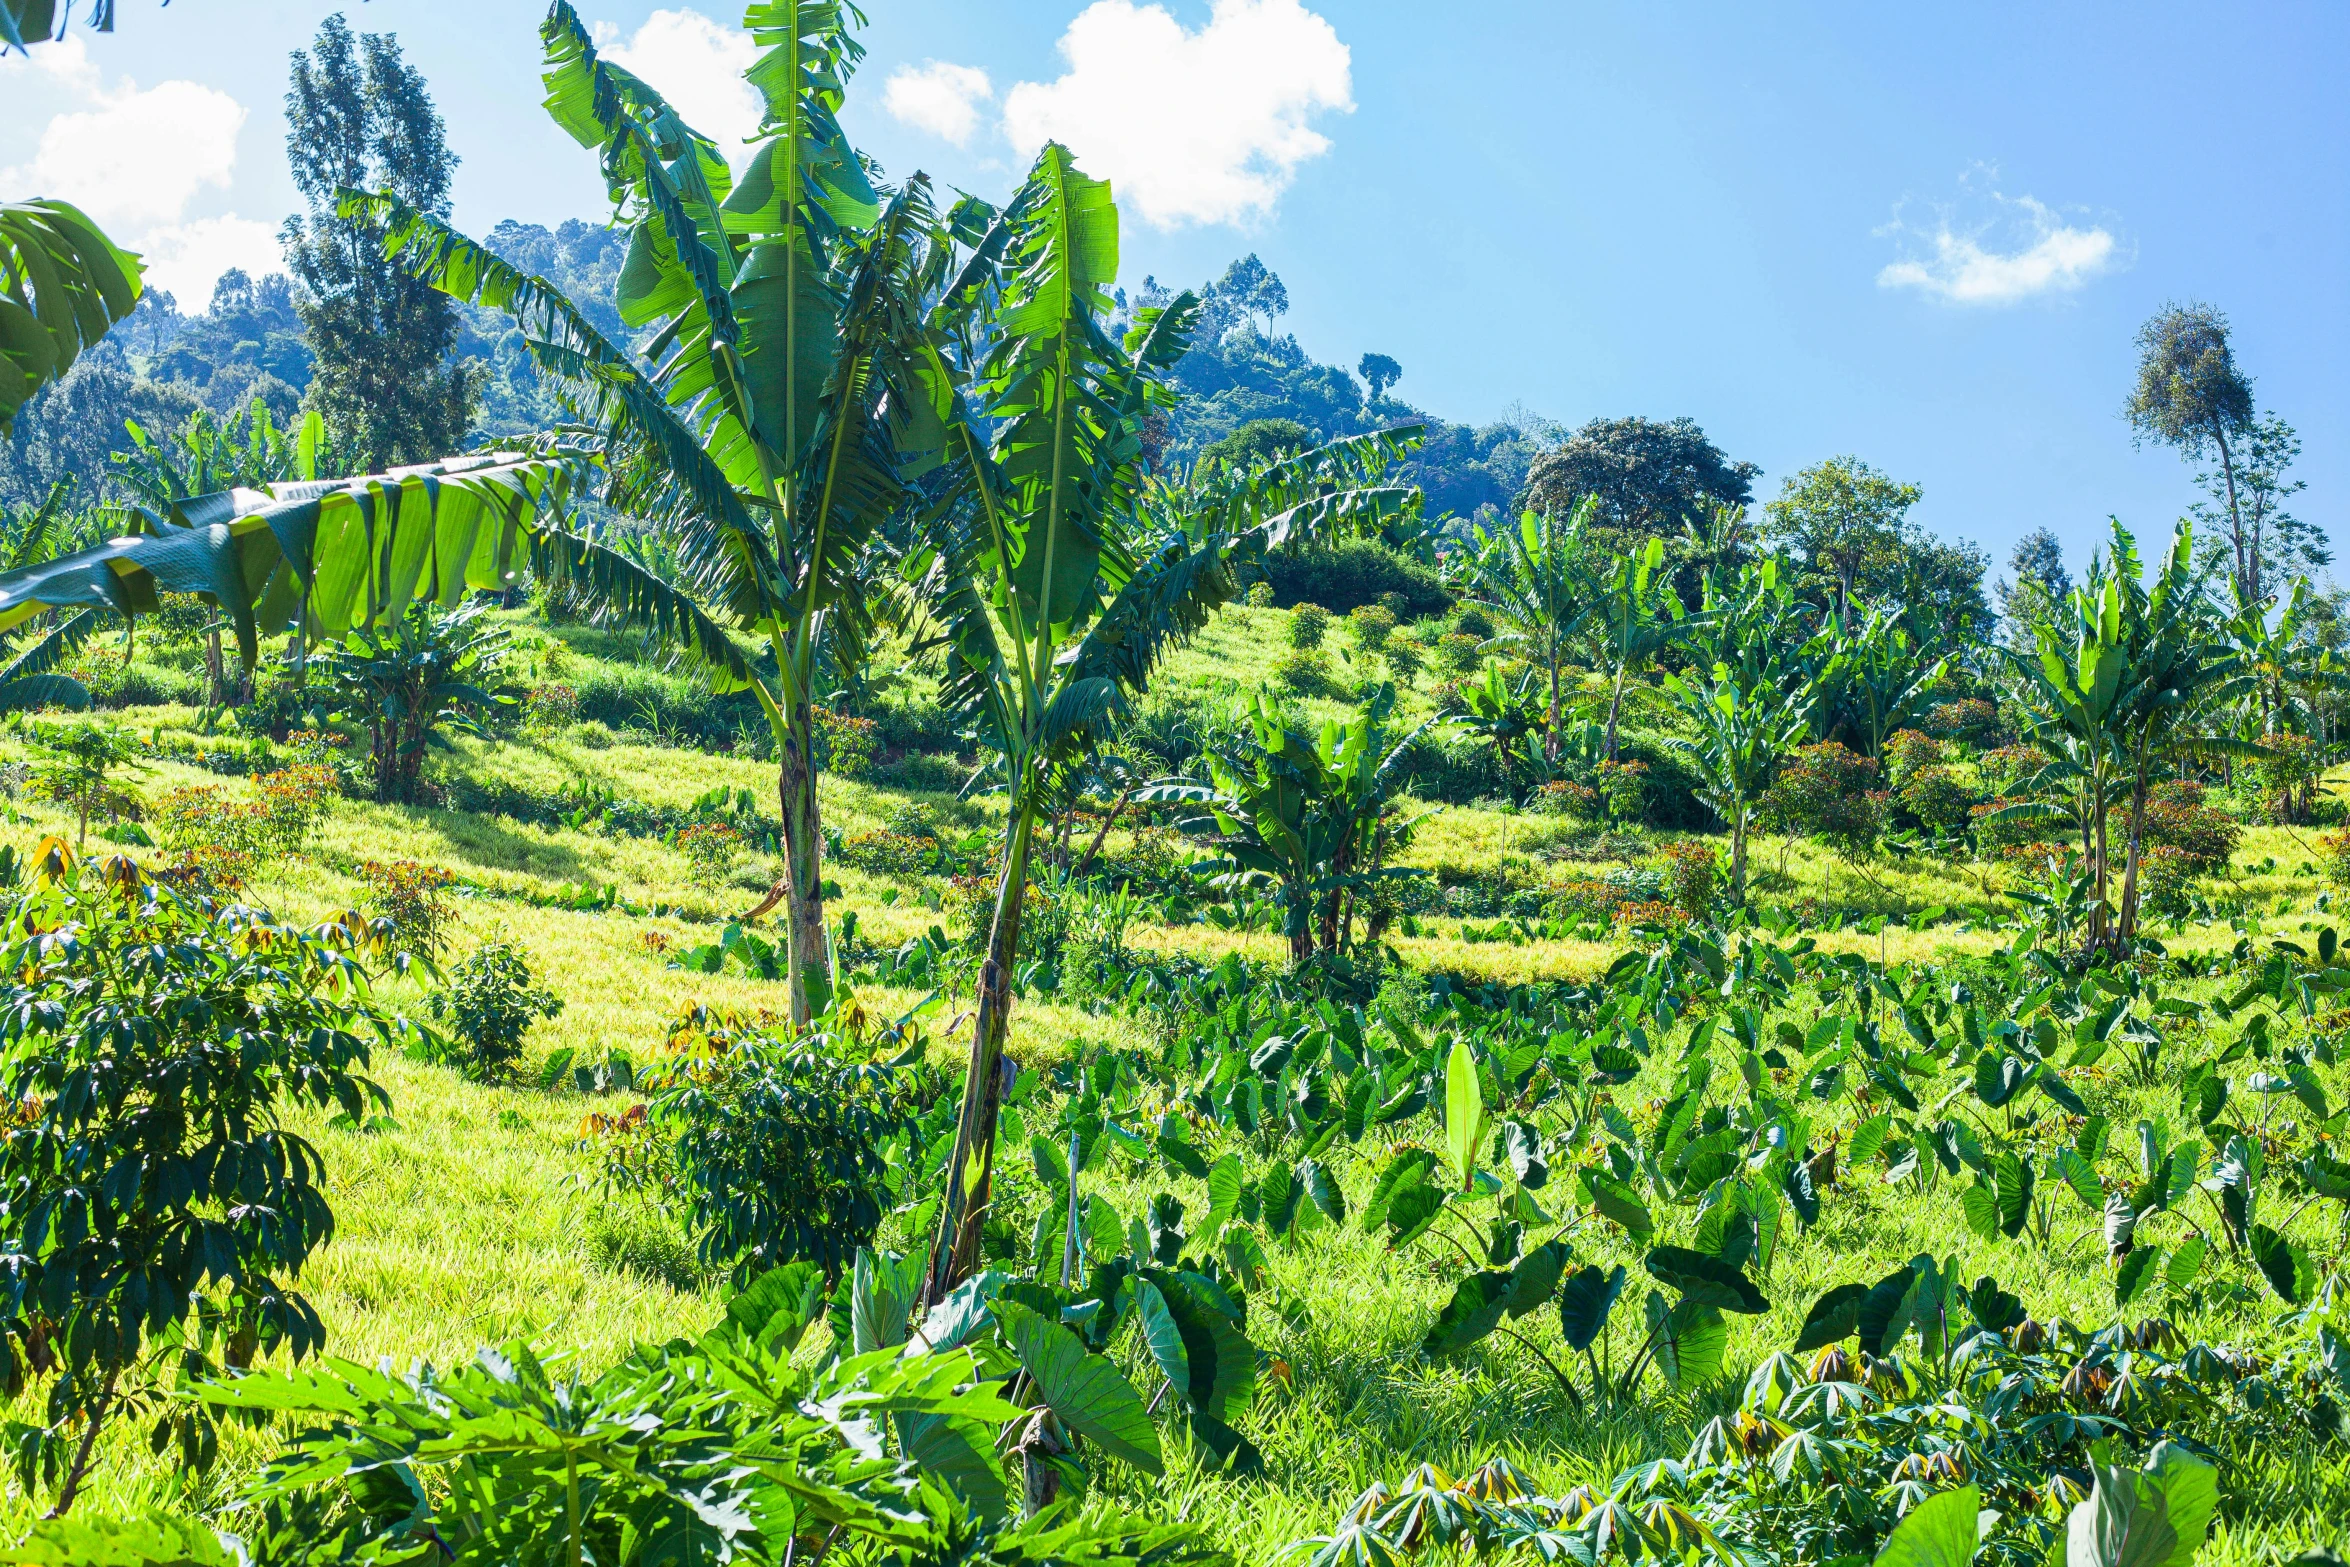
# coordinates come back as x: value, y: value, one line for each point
x: 1533, y: 579
x: 63, y: 284
x: 791, y: 387
x: 1064, y: 572
x: 1876, y: 680
x: 1636, y: 615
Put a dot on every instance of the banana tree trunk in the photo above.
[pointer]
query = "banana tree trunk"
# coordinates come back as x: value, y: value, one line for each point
x: 2129, y: 924
x: 1614, y: 706
x: 1738, y: 830
x: 803, y: 862
x: 970, y: 1173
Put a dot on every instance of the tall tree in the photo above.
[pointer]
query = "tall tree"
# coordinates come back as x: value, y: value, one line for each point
x: 1843, y: 522
x: 2039, y: 557
x: 2191, y: 396
x: 2275, y: 543
x: 1650, y: 478
x: 1379, y: 372
x: 357, y: 117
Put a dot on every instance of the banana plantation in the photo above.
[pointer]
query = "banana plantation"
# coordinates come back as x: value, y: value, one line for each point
x: 863, y: 937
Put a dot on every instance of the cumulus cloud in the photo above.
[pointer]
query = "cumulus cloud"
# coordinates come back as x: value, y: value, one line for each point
x: 186, y: 259
x: 697, y: 64
x: 939, y: 97
x: 1993, y: 249
x: 1192, y: 127
x: 129, y: 155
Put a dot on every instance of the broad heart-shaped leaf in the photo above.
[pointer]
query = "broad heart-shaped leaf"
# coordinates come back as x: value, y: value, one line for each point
x: 1160, y: 1334
x: 1616, y: 1200
x: 1536, y: 1277
x: 1412, y: 1211
x: 960, y: 1454
x: 1408, y: 1167
x: 882, y: 1291
x: 1940, y: 1531
x: 1235, y: 1453
x: 1225, y: 1182
x: 1979, y: 1206
x: 2013, y: 1174
x: 1999, y: 1078
x: 1464, y: 1113
x: 1882, y: 1320
x: 1322, y: 1187
x: 1222, y: 1361
x: 2154, y: 1517
x: 1522, y: 1144
x: 1706, y: 1281
x: 2286, y: 1266
x: 777, y: 1307
x: 1691, y: 1340
x: 963, y: 1313
x: 1993, y: 1307
x: 1474, y: 1311
x: 2137, y: 1271
x: 1089, y: 1393
x: 1834, y: 1316
x: 1586, y: 1300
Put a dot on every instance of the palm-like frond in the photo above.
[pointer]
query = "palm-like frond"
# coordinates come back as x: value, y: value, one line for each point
x: 62, y: 285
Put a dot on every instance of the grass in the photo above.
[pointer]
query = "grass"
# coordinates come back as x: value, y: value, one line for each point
x: 476, y: 1218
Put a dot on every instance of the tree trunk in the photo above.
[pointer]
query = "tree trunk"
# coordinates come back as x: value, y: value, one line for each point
x: 1738, y: 859
x: 803, y: 867
x: 1108, y: 822
x: 1550, y: 741
x: 1614, y: 706
x: 2129, y: 923
x: 80, y: 1467
x: 2097, y: 805
x: 970, y: 1173
x: 2247, y: 564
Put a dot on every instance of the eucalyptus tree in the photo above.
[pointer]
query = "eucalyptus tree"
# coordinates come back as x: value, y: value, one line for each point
x: 1065, y: 571
x: 1636, y: 614
x: 1747, y: 696
x: 790, y: 392
x: 1533, y: 581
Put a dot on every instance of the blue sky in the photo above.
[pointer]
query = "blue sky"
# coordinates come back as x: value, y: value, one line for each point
x: 1921, y: 235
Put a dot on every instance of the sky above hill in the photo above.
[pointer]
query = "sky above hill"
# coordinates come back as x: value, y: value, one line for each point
x: 1924, y: 236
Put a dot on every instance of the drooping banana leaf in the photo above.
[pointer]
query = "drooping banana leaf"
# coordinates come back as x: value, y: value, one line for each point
x: 62, y: 285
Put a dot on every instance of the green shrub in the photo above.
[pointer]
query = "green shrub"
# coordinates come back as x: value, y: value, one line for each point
x: 1936, y: 797
x: 1824, y: 791
x: 1259, y: 595
x: 919, y: 772
x: 489, y: 1004
x: 1306, y: 671
x: 640, y: 1241
x: 594, y: 735
x: 1693, y: 874
x: 1369, y: 627
x: 1459, y: 653
x: 413, y: 900
x: 1354, y: 574
x: 1308, y: 624
x: 844, y: 743
x: 2176, y: 817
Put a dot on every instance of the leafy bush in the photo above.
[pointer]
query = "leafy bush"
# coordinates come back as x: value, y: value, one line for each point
x: 413, y: 898
x: 2177, y: 818
x: 774, y: 1145
x: 159, y: 1036
x: 594, y: 735
x: 410, y: 683
x: 1693, y: 872
x: 1354, y: 574
x: 919, y: 772
x: 1404, y: 660
x: 1824, y: 791
x: 1938, y: 799
x: 550, y: 707
x: 2334, y: 848
x: 2165, y: 875
x: 1308, y: 624
x: 845, y: 743
x: 1908, y: 750
x: 1970, y: 720
x: 1459, y: 653
x: 490, y: 1003
x: 1259, y: 595
x: 294, y: 801
x: 1306, y: 671
x: 711, y: 848
x: 1368, y: 628
x: 2289, y: 768
x: 78, y: 774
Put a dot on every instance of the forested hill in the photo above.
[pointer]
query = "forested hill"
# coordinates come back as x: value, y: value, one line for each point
x: 247, y: 343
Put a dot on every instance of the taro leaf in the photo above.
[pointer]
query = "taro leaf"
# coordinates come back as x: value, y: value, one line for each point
x: 1802, y: 1194
x: 1163, y: 1222
x: 1993, y: 1307
x: 1999, y: 1079
x: 1409, y: 1167
x: 2206, y: 1093
x: 1691, y: 1340
x: 1245, y: 1255
x: 1322, y: 1187
x: 1088, y: 1392
x: 2326, y: 1176
x: 1868, y: 1137
x: 1535, y: 1279
x: 1979, y: 1204
x: 2286, y: 1266
x: 1474, y: 1311
x: 1706, y: 1281
x: 778, y: 1306
x: 2052, y: 1083
x: 1586, y: 1300
x: 1503, y: 1240
x: 2067, y: 1165
x: 1360, y: 1092
x: 881, y: 1296
x: 1225, y: 1183
x: 964, y: 1312
x: 1616, y: 1200
x: 1522, y: 1144
x: 2121, y: 1223
x: 959, y: 1453
x: 1940, y: 1531
x: 1414, y: 1209
x: 1834, y: 1316
x: 1464, y: 1112
x: 2137, y: 1271
x: 2186, y: 1262
x: 1182, y: 1155
x: 2179, y: 1175
x: 1222, y: 1361
x: 1885, y: 1311
x: 1052, y: 1166
x: 1279, y: 1193
x: 1160, y: 1335
x: 1235, y: 1454
x: 2014, y: 1176
x: 2155, y: 1517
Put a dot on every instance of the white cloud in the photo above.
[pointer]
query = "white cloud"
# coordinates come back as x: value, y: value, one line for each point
x: 939, y: 97
x: 697, y: 64
x: 1993, y: 249
x: 1191, y: 127
x: 131, y: 155
x: 186, y: 259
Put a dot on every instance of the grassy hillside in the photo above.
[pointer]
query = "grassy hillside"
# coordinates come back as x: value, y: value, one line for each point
x: 477, y: 1216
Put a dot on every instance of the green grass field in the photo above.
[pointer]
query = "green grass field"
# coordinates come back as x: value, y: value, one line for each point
x: 476, y: 1218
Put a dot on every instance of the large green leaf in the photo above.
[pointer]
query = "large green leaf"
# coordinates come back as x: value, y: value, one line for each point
x: 62, y: 285
x: 961, y: 1454
x: 1941, y: 1531
x: 1088, y: 1392
x: 1222, y: 1362
x: 1587, y: 1299
x: 1535, y: 1279
x: 2013, y: 1174
x: 2153, y: 1517
x: 1691, y: 1340
x: 1474, y: 1311
x: 2286, y: 1266
x: 1706, y: 1281
x: 1464, y: 1113
x: 1835, y: 1315
x: 1161, y: 1334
